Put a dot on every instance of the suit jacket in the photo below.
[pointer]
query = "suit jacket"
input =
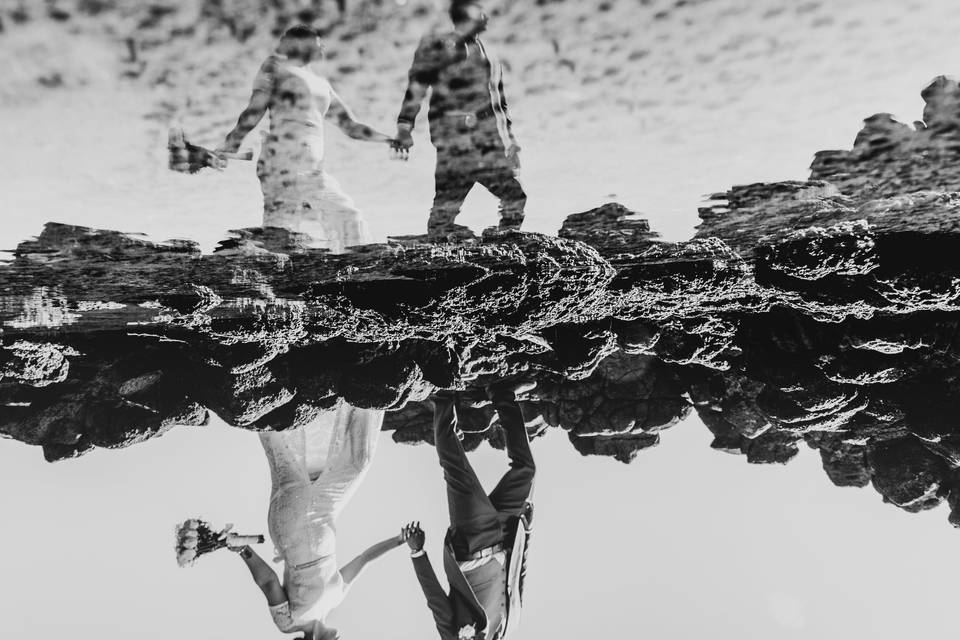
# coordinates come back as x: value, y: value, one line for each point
x: 460, y: 83
x: 461, y: 607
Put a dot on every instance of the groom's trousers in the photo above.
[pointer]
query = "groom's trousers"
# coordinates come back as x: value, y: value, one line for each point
x: 467, y: 156
x: 478, y: 520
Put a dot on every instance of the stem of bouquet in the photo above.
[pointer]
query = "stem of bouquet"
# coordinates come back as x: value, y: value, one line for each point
x: 235, y: 541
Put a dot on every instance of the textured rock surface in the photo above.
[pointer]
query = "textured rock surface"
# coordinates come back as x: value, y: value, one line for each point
x: 803, y: 312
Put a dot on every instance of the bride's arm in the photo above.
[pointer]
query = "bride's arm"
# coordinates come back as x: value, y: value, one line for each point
x: 340, y: 113
x: 264, y: 576
x: 256, y: 108
x: 352, y: 569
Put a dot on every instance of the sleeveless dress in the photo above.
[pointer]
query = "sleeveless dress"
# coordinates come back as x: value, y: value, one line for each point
x: 298, y: 193
x: 315, y: 470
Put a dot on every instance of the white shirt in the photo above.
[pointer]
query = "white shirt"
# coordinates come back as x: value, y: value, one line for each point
x: 470, y: 565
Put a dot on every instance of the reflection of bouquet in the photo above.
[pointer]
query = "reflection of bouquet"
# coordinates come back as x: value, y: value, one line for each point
x: 191, y: 158
x: 195, y: 538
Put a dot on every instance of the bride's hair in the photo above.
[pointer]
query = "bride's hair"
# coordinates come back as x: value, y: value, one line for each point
x: 300, y: 42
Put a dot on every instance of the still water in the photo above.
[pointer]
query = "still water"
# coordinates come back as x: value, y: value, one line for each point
x: 653, y: 105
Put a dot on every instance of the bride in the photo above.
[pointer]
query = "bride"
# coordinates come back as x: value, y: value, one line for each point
x: 298, y: 193
x: 315, y: 470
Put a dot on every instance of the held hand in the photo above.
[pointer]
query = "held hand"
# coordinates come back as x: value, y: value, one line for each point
x: 397, y: 152
x: 402, y: 143
x: 414, y: 536
x: 216, y: 160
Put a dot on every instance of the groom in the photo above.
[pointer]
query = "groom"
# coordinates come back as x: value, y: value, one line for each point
x: 469, y: 123
x: 484, y: 553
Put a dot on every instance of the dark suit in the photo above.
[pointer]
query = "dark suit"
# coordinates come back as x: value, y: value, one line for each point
x: 491, y: 595
x: 470, y: 126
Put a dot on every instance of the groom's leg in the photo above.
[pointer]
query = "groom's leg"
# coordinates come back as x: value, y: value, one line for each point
x: 453, y: 181
x: 514, y: 488
x: 499, y: 177
x: 473, y: 518
x: 504, y: 184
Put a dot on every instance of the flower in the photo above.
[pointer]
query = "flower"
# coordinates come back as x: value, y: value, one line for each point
x: 195, y: 538
x: 467, y: 632
x: 186, y: 557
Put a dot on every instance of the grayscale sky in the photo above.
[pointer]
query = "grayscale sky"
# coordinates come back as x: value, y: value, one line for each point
x: 686, y: 542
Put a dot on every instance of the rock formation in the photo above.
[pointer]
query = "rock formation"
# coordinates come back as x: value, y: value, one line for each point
x: 822, y: 312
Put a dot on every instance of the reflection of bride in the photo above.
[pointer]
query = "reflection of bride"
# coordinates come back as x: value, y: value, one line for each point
x: 298, y: 193
x: 315, y: 470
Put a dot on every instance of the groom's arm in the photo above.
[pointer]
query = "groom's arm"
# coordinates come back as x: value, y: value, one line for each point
x: 422, y: 75
x: 437, y: 599
x: 508, y: 121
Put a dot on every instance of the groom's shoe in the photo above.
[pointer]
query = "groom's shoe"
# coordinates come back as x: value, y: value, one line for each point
x: 510, y: 389
x: 471, y: 397
x: 451, y: 233
x: 491, y: 233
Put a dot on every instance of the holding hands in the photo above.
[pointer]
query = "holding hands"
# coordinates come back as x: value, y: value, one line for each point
x: 414, y: 536
x: 402, y: 143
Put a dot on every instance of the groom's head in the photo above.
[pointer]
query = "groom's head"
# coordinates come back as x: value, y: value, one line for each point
x: 468, y: 16
x: 301, y: 42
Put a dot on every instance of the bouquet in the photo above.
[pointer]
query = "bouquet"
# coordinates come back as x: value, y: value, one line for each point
x: 185, y: 157
x: 196, y: 537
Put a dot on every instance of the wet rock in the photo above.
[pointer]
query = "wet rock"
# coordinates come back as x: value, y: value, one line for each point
x: 771, y: 447
x: 823, y: 311
x: 889, y: 158
x: 610, y: 228
x: 907, y: 474
x: 845, y: 464
x: 622, y: 448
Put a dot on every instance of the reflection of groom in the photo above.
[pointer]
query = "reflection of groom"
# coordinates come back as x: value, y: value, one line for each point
x: 485, y: 547
x: 469, y: 123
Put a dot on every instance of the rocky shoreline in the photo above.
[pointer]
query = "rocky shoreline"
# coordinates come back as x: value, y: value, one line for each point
x: 823, y: 312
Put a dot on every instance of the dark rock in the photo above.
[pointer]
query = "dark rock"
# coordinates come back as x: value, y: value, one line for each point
x: 845, y: 464
x: 906, y: 474
x: 824, y: 312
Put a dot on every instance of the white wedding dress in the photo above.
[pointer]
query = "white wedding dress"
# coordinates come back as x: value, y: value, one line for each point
x: 315, y: 470
x: 298, y: 193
